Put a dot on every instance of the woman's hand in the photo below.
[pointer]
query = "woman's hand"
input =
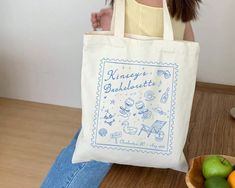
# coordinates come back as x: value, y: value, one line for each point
x: 102, y: 19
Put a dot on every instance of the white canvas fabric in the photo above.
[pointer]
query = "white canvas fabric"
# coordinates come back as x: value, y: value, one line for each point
x: 137, y: 96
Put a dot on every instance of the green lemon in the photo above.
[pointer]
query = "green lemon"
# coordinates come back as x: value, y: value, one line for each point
x: 216, y: 182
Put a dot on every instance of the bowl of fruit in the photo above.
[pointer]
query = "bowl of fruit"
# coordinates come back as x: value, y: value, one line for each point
x: 211, y: 171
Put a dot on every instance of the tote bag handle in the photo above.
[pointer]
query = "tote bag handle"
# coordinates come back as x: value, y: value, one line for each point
x: 118, y: 21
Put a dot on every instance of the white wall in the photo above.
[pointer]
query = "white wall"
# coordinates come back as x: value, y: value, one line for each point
x: 216, y: 33
x: 41, y: 47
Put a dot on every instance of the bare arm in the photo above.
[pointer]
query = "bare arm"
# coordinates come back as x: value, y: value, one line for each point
x: 188, y: 32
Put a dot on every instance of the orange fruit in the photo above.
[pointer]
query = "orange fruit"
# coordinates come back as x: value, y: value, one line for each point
x: 231, y: 179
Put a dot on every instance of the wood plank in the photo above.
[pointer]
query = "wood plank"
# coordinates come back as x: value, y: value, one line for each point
x: 32, y: 135
x: 216, y: 88
x: 211, y: 131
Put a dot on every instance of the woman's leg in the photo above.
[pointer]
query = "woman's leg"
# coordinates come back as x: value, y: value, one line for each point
x: 64, y: 174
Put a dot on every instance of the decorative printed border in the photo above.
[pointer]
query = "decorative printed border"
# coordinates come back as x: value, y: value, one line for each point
x: 98, y: 99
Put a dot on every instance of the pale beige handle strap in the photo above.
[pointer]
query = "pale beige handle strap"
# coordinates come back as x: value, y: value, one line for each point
x: 167, y: 27
x: 119, y: 18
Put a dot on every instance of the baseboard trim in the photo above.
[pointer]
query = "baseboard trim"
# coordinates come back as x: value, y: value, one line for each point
x: 215, y: 88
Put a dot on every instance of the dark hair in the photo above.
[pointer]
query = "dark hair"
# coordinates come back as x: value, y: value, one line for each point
x: 186, y: 10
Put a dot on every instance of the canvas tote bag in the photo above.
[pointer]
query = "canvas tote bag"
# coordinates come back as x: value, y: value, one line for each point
x: 137, y: 96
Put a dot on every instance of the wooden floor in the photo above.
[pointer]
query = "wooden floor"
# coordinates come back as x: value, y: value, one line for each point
x: 32, y: 134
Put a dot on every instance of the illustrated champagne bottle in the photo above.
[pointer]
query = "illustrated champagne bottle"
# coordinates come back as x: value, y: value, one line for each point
x: 165, y: 96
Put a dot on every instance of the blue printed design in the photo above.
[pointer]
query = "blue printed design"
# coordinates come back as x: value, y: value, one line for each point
x: 166, y: 73
x: 108, y: 118
x: 128, y: 129
x: 155, y: 128
x: 125, y: 110
x: 142, y: 110
x: 112, y: 102
x: 165, y: 96
x: 149, y: 95
x: 116, y: 135
x: 103, y: 132
x: 130, y: 89
x: 160, y: 111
